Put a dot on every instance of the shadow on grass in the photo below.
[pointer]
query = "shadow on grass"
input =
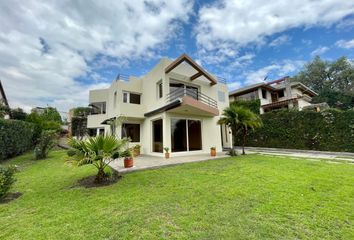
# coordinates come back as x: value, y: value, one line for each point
x: 10, y: 197
x: 89, y: 182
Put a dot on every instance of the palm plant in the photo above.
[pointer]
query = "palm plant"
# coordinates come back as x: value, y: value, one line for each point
x: 240, y: 120
x: 98, y: 151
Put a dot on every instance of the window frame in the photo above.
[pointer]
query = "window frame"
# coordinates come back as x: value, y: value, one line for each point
x: 127, y: 99
x: 123, y: 130
x: 159, y: 89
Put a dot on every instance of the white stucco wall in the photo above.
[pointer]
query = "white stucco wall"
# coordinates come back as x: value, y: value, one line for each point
x: 147, y: 87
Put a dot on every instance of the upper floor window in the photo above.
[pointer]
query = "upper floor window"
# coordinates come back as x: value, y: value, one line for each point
x: 221, y: 96
x: 281, y: 94
x: 129, y: 97
x: 98, y: 107
x: 248, y: 96
x: 264, y: 93
x: 115, y: 99
x: 159, y: 89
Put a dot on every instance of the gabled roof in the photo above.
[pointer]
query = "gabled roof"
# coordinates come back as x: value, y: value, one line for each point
x: 200, y: 71
x: 273, y: 85
x: 2, y: 92
x: 249, y: 88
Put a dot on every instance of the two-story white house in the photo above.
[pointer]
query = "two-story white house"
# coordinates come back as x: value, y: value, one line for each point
x: 276, y: 95
x: 176, y: 105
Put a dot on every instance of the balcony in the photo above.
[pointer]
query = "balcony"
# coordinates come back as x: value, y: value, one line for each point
x: 188, y: 101
x: 193, y: 94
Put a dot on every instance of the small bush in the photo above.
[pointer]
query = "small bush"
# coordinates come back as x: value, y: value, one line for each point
x: 6, y: 179
x: 233, y: 152
x: 71, y: 152
x: 46, y: 142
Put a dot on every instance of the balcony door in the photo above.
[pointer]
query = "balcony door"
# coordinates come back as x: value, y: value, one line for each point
x: 186, y: 135
x: 179, y: 90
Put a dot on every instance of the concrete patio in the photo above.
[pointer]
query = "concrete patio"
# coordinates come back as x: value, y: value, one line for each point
x: 148, y: 162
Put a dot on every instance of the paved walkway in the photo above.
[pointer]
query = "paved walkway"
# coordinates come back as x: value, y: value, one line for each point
x: 336, y: 156
x: 148, y: 162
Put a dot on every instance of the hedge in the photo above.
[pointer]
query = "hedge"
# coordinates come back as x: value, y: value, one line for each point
x: 16, y: 137
x: 253, y: 105
x: 331, y: 130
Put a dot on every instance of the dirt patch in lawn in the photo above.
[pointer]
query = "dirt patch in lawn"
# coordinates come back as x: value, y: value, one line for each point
x: 10, y: 197
x: 89, y: 182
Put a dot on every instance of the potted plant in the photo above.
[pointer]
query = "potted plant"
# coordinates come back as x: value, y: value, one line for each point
x: 137, y: 150
x: 128, y: 159
x: 167, y: 153
x: 213, y: 151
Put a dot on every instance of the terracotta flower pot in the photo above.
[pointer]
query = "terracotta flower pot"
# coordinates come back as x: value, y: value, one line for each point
x: 167, y: 155
x: 213, y: 152
x: 128, y: 162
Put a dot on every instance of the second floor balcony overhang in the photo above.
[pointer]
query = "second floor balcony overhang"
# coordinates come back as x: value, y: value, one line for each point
x: 186, y: 101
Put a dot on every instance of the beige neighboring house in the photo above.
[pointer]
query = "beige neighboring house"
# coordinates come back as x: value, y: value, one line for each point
x: 276, y: 95
x: 176, y: 105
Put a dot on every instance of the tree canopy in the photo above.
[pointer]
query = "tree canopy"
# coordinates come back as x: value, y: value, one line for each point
x: 332, y: 80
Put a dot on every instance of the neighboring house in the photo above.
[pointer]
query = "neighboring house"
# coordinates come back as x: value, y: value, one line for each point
x: 276, y: 95
x: 3, y: 100
x: 176, y: 105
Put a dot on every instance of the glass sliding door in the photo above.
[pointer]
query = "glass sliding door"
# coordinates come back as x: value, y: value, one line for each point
x: 194, y: 135
x: 186, y: 135
x: 178, y: 135
x: 157, y: 142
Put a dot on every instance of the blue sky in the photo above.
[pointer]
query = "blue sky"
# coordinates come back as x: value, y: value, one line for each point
x: 53, y: 53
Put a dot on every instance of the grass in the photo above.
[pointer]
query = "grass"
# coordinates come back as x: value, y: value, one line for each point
x: 246, y: 197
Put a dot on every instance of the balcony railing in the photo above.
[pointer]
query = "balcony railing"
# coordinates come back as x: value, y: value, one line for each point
x: 181, y: 92
x: 122, y: 77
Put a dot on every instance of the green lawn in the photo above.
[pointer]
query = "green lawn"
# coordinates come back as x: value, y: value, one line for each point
x: 246, y: 197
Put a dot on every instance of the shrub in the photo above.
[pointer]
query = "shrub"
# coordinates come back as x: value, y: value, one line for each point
x: 6, y: 179
x: 330, y: 130
x: 233, y: 152
x: 16, y: 137
x: 46, y: 142
x: 71, y: 152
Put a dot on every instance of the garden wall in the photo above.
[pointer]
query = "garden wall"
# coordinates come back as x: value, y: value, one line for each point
x: 16, y: 137
x: 330, y: 130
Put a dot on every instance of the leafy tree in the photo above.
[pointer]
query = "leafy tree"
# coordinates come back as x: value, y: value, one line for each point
x: 46, y: 142
x: 51, y: 114
x: 18, y: 114
x: 98, y: 151
x: 333, y: 81
x: 82, y: 111
x: 240, y: 120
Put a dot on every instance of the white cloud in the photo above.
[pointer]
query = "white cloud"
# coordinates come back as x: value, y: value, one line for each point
x: 240, y: 22
x: 234, y: 85
x: 345, y: 44
x: 37, y: 72
x: 280, y: 40
x: 319, y: 51
x: 282, y: 69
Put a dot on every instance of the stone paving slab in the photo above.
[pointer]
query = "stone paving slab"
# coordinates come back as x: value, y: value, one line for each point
x: 149, y: 162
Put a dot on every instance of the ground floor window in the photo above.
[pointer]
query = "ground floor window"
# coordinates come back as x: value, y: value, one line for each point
x: 92, y: 132
x: 132, y: 131
x: 186, y: 135
x: 101, y: 131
